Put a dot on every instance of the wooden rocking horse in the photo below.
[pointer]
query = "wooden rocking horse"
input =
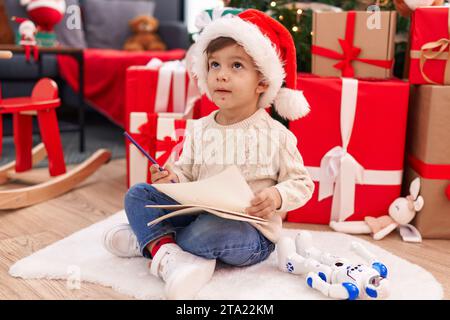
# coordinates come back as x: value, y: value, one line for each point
x: 42, y: 103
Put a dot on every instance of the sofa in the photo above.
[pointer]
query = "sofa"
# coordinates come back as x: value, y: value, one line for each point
x: 98, y: 18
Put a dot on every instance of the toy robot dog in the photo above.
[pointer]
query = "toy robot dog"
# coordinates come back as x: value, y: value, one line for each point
x: 333, y: 276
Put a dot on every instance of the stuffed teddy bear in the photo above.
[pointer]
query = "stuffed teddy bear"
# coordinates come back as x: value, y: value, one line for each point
x: 401, y: 212
x: 406, y: 7
x: 144, y: 35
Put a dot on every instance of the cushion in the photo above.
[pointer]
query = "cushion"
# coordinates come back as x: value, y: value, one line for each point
x: 106, y: 21
x: 69, y: 31
x: 13, y: 8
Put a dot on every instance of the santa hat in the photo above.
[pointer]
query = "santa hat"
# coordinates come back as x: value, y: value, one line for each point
x: 24, y: 24
x: 58, y: 5
x: 19, y: 19
x: 272, y: 48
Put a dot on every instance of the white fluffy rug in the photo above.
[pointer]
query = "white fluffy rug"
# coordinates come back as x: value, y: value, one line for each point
x: 82, y: 256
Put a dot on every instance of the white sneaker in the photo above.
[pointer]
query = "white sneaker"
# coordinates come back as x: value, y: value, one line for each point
x: 121, y: 241
x: 184, y: 273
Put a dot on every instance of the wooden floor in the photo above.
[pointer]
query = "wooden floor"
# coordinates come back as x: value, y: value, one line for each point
x: 25, y: 231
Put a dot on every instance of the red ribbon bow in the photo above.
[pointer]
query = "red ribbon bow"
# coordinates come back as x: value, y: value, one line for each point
x: 349, y: 51
x: 167, y: 145
x: 147, y: 133
x: 144, y: 136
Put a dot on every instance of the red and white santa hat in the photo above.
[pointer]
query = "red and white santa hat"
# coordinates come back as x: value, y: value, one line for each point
x: 272, y: 48
x: 25, y: 24
x: 58, y: 5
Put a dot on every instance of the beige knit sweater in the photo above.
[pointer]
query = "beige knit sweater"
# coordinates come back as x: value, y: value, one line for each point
x: 262, y: 148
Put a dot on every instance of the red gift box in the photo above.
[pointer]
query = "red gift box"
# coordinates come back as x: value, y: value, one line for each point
x: 163, y: 88
x: 155, y: 89
x: 160, y: 89
x: 352, y: 144
x: 430, y: 42
x: 162, y: 136
x: 142, y: 95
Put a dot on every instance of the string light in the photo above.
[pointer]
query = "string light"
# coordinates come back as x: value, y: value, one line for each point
x: 280, y: 18
x: 273, y: 4
x: 295, y: 28
x: 297, y: 17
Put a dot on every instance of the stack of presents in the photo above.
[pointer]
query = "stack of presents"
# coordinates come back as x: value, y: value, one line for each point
x: 368, y: 135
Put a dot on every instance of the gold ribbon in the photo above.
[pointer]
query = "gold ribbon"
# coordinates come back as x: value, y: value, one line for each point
x: 426, y: 52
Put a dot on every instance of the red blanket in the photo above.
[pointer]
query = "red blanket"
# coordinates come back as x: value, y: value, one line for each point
x: 104, y: 76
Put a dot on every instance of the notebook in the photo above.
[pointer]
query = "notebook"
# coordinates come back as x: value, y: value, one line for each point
x: 226, y: 195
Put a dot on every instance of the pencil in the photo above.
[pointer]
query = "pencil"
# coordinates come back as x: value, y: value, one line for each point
x: 149, y: 157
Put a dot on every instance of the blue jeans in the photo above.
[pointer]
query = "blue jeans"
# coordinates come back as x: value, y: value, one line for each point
x: 233, y: 242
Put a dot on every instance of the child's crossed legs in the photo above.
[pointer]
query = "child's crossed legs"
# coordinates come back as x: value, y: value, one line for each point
x: 233, y: 242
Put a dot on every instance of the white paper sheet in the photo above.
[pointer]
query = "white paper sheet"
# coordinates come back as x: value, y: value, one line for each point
x: 227, y: 190
x: 189, y: 210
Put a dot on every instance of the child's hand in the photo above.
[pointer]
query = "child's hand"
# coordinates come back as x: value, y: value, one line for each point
x: 265, y: 203
x: 162, y: 176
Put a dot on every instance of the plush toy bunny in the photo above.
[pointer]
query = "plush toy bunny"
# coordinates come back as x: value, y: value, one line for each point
x: 401, y: 212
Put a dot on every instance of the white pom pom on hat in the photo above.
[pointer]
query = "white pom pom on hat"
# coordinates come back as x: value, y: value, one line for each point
x: 272, y: 48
